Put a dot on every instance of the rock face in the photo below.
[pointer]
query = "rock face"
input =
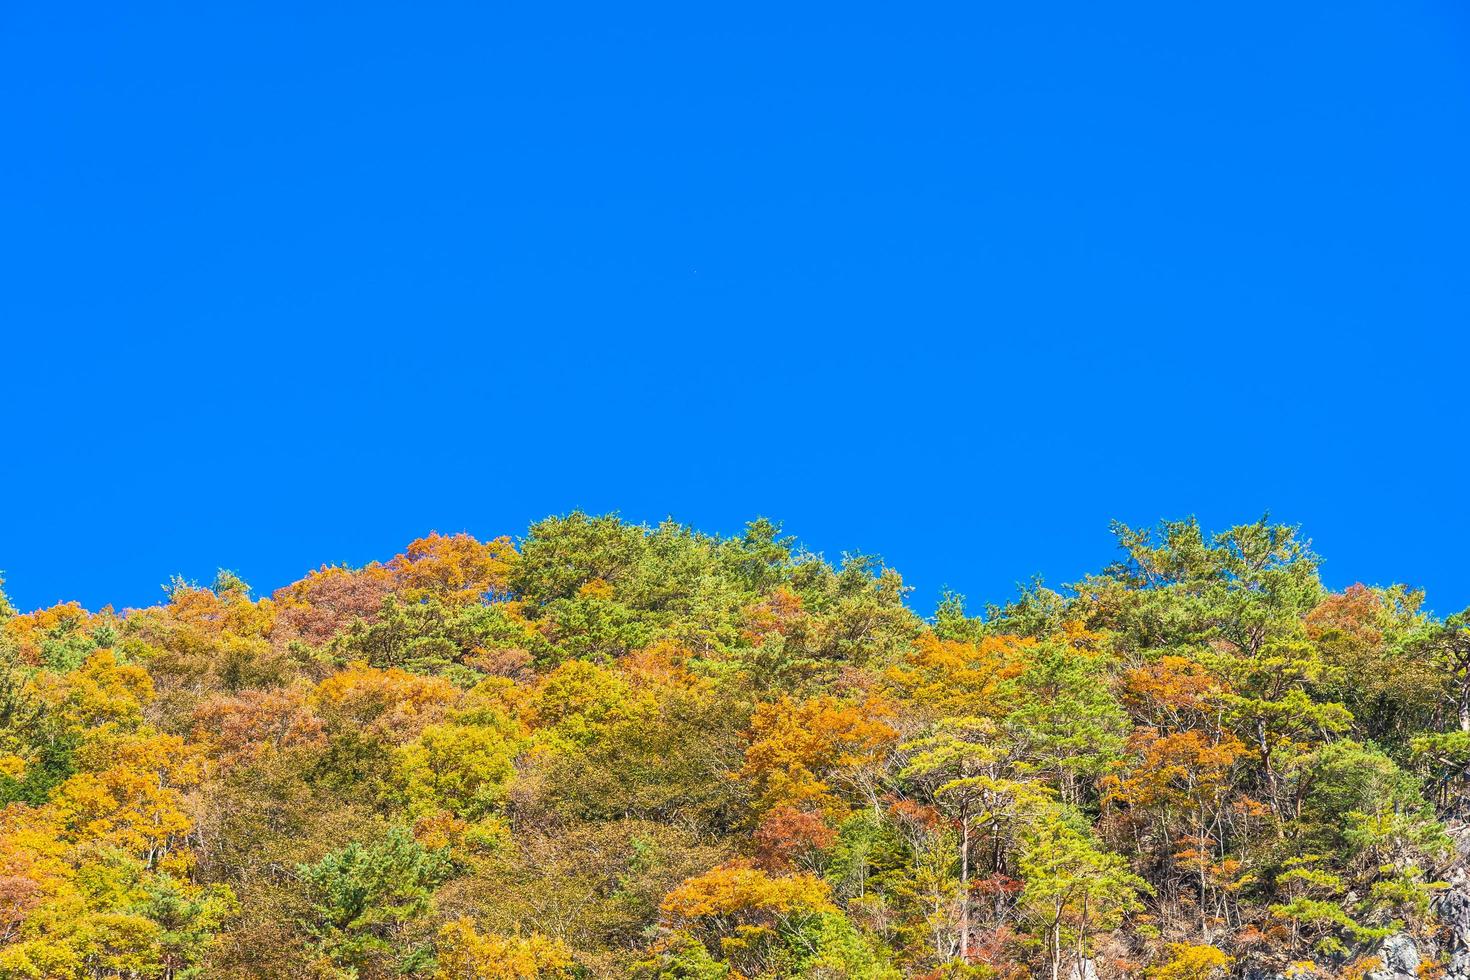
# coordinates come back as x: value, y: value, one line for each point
x: 1400, y: 959
x: 1453, y: 910
x: 1452, y: 906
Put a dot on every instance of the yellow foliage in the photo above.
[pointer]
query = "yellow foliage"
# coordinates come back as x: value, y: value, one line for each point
x: 958, y: 679
x: 130, y: 793
x: 1360, y: 968
x: 99, y: 692
x: 69, y: 891
x: 40, y: 959
x: 466, y: 954
x: 460, y: 768
x: 33, y: 865
x: 391, y: 704
x: 740, y: 890
x: 109, y: 944
x: 597, y: 588
x: 578, y: 698
x: 1190, y: 962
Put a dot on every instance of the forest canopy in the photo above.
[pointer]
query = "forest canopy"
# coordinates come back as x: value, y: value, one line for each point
x: 607, y: 750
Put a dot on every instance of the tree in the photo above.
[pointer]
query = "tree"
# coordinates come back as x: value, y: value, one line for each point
x: 455, y: 568
x: 1073, y: 888
x: 246, y: 728
x: 970, y: 776
x: 1179, y: 783
x: 129, y: 795
x: 100, y: 691
x: 1177, y: 587
x: 1190, y: 962
x: 458, y: 767
x: 746, y: 914
x: 650, y: 752
x: 1314, y: 910
x: 1448, y: 645
x: 466, y: 954
x: 330, y: 599
x: 1373, y: 643
x: 364, y: 897
x: 1065, y: 718
x: 561, y: 554
x: 961, y: 680
x: 798, y: 750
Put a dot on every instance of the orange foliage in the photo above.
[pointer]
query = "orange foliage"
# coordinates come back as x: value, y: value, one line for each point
x: 439, y: 829
x: 961, y: 679
x: 456, y: 567
x: 779, y: 614
x: 130, y: 793
x: 740, y: 891
x: 226, y: 608
x: 1171, y: 691
x: 244, y: 729
x: 660, y: 665
x: 27, y: 630
x: 1181, y: 769
x: 1352, y: 614
x: 797, y: 748
x: 391, y: 704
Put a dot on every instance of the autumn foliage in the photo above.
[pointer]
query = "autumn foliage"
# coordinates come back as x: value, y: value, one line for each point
x: 604, y: 750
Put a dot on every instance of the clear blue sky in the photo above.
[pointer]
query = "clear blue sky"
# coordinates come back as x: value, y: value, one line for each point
x: 957, y: 284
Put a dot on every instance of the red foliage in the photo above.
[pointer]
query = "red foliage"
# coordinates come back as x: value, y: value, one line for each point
x: 315, y: 608
x: 245, y: 728
x: 787, y: 835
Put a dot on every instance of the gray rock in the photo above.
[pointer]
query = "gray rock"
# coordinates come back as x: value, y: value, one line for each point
x: 1400, y: 959
x: 1399, y: 954
x: 1453, y: 908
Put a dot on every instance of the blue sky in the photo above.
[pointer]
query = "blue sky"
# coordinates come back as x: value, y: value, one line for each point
x: 956, y: 284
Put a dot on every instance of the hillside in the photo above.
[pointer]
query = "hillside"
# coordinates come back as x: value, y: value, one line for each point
x: 606, y: 750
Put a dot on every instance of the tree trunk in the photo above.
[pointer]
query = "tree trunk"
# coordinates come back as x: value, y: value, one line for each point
x: 965, y: 887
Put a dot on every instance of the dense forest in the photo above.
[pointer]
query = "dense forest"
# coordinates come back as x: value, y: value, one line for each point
x: 605, y: 750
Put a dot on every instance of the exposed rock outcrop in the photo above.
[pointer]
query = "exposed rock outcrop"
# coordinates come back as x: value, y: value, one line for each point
x: 1400, y: 956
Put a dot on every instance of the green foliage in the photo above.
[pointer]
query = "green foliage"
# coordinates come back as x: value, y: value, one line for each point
x: 1064, y: 716
x: 364, y: 897
x: 432, y: 636
x: 619, y: 750
x: 1073, y: 888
